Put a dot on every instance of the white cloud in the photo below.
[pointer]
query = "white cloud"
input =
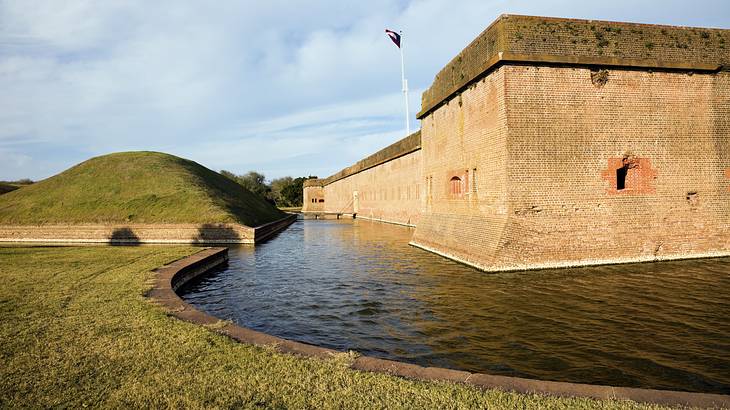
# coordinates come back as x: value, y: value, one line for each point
x: 281, y: 86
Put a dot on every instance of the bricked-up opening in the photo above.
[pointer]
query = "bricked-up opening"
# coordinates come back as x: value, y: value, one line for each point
x: 630, y: 175
x: 621, y: 177
x: 455, y: 186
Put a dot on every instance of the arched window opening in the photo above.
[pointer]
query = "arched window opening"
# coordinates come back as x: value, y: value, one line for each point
x: 455, y: 184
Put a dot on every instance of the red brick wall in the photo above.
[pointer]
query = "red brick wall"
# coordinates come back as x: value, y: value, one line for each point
x: 467, y: 134
x: 390, y: 192
x: 313, y: 199
x: 547, y: 142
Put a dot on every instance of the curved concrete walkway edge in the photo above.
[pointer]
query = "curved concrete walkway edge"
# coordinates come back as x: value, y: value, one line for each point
x: 171, y: 277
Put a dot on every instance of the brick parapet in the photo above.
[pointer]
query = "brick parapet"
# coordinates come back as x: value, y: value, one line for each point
x: 397, y: 149
x: 313, y: 182
x: 390, y: 191
x: 543, y: 40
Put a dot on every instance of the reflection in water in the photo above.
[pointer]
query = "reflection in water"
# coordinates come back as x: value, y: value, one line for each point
x: 358, y: 285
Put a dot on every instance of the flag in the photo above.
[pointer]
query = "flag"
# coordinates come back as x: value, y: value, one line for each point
x: 393, y: 36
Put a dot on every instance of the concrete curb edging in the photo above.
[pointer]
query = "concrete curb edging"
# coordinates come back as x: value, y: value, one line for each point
x: 171, y: 277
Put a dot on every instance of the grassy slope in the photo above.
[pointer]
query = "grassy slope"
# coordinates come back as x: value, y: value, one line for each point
x: 75, y: 330
x: 135, y: 187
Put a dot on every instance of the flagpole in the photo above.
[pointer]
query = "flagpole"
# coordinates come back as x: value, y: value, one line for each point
x: 405, y: 85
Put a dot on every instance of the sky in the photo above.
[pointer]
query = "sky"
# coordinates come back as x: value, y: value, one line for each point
x: 281, y: 87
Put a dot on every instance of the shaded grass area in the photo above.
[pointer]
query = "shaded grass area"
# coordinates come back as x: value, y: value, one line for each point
x: 6, y: 187
x: 76, y: 331
x: 136, y: 187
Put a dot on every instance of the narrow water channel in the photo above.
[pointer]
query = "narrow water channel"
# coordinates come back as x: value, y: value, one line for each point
x: 358, y: 285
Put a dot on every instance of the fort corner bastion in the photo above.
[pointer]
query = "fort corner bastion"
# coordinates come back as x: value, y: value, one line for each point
x: 553, y: 142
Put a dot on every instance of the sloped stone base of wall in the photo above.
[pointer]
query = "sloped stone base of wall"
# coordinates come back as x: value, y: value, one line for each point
x: 548, y: 240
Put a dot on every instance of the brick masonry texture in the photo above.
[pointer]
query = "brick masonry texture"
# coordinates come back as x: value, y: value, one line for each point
x: 389, y: 192
x: 313, y: 198
x: 555, y: 201
x: 399, y: 148
x: 542, y: 162
x: 385, y: 186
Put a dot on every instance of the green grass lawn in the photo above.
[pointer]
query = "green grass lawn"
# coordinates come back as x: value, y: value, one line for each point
x: 75, y: 330
x: 135, y: 187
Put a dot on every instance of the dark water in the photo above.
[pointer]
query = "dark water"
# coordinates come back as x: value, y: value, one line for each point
x: 358, y: 285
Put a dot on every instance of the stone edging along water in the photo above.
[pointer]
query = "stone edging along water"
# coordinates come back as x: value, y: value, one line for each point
x: 171, y: 277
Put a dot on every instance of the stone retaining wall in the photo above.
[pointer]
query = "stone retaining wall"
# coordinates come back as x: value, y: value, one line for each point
x: 143, y: 233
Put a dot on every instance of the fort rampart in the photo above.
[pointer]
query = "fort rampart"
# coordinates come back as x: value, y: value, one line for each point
x: 385, y: 186
x: 555, y: 142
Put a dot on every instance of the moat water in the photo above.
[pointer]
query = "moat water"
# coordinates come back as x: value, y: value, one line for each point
x: 358, y: 285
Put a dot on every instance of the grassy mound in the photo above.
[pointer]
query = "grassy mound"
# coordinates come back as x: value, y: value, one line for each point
x: 136, y: 187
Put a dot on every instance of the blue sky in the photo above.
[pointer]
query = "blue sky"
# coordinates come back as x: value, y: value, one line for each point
x: 282, y: 87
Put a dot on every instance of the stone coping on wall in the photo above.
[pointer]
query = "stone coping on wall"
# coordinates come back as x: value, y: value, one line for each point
x: 214, y: 233
x: 395, y: 150
x: 265, y: 231
x: 171, y: 277
x: 313, y: 182
x: 590, y: 43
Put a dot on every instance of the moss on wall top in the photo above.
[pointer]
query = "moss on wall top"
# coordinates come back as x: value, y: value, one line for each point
x: 397, y: 149
x: 571, y: 41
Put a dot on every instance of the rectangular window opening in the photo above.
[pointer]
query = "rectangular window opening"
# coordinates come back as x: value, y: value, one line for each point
x: 621, y: 177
